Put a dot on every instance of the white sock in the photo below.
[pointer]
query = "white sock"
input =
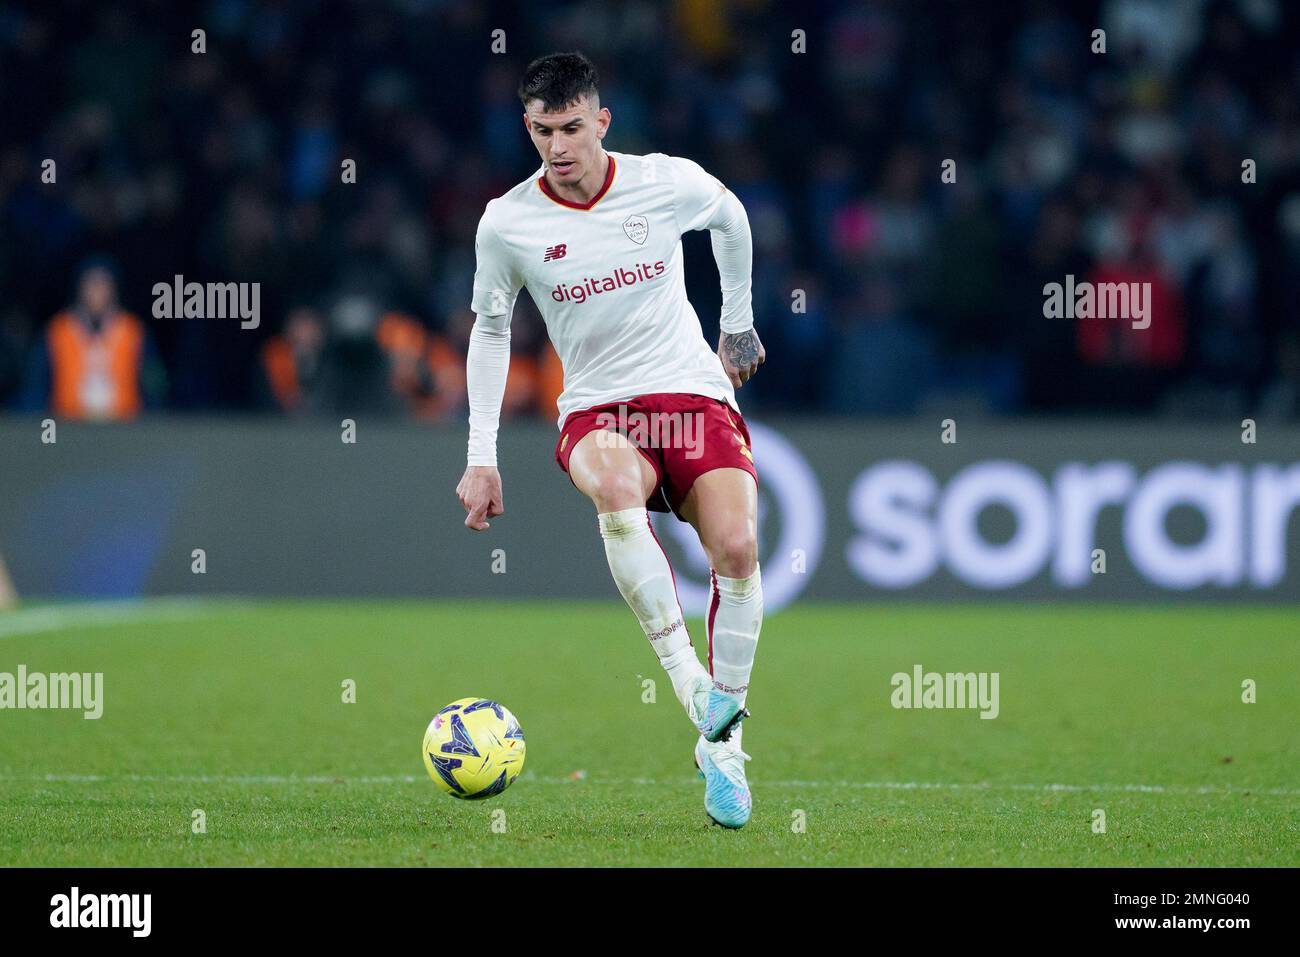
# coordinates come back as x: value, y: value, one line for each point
x: 735, y: 620
x: 645, y: 579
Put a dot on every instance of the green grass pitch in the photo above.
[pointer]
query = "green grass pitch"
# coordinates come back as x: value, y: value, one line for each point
x: 235, y: 708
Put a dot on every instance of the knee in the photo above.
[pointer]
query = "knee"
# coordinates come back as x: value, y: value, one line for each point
x: 613, y: 490
x: 735, y: 554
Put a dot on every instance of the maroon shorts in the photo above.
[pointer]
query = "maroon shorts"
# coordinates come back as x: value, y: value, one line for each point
x: 681, y: 434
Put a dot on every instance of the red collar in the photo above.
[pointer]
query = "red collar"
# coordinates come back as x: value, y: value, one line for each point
x: 600, y: 193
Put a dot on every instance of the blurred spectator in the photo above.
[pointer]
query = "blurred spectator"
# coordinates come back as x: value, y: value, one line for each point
x: 95, y: 360
x: 13, y: 334
x: 1282, y: 399
x: 885, y: 361
x: 291, y: 360
x: 1129, y: 360
x: 1052, y: 372
x: 357, y: 376
x: 227, y: 166
x: 361, y: 360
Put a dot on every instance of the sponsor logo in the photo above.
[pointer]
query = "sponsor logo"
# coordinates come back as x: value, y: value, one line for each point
x: 555, y: 252
x: 622, y: 277
x: 1176, y: 526
x: 911, y: 526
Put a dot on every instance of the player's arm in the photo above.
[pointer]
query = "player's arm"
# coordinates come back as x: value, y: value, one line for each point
x: 487, y: 365
x: 704, y: 203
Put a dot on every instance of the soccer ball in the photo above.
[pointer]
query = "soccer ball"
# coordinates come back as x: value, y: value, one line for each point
x: 473, y: 748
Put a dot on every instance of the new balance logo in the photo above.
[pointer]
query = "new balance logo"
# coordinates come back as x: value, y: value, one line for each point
x: 555, y: 252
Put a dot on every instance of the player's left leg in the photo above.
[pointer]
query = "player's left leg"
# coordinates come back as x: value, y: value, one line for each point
x: 722, y: 506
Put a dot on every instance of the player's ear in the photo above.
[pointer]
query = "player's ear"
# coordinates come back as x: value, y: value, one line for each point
x: 603, y: 119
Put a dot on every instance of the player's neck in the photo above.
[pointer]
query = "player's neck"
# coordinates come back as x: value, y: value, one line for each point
x: 586, y: 188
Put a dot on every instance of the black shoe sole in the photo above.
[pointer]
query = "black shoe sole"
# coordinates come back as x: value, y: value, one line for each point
x: 730, y: 726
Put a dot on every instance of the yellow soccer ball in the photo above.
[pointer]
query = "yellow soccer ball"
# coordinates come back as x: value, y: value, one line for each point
x: 474, y: 748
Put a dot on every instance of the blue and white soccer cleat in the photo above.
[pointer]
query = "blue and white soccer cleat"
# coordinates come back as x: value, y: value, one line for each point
x: 714, y: 712
x: 727, y: 800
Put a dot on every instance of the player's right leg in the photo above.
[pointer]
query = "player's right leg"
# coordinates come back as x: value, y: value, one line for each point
x: 619, y: 479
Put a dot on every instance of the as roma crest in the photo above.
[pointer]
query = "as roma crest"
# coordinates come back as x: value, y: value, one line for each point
x: 637, y: 229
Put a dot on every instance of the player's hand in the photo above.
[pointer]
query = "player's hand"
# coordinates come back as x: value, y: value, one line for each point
x: 480, y: 493
x: 741, y: 354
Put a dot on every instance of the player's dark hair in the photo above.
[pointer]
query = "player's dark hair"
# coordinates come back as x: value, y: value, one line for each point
x: 559, y: 80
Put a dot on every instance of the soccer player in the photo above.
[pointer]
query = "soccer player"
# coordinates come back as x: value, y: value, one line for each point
x: 648, y: 415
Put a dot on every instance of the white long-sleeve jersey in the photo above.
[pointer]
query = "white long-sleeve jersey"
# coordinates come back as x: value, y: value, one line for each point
x: 607, y: 278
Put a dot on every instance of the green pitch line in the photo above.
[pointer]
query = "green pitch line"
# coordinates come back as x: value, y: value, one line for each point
x: 235, y: 709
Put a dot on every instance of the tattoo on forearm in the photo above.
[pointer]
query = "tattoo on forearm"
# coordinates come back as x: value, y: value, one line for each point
x: 740, y: 348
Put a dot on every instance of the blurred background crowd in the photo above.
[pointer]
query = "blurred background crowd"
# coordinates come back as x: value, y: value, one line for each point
x: 918, y: 294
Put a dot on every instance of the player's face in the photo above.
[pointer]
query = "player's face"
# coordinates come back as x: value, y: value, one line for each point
x: 568, y: 140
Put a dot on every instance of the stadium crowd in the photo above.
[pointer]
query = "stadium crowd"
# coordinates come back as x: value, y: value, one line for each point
x: 878, y: 288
